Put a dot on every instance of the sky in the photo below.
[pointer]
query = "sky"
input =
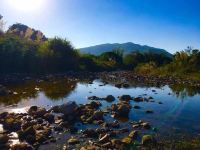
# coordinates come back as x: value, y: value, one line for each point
x: 169, y: 24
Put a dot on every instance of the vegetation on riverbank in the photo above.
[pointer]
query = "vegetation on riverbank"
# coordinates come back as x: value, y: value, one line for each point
x: 21, y: 55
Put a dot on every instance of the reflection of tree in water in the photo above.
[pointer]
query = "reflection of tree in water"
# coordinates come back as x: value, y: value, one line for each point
x: 54, y: 90
x: 24, y: 91
x: 58, y: 89
x: 183, y: 91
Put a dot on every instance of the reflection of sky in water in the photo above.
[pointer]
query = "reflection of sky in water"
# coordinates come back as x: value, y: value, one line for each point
x: 174, y: 112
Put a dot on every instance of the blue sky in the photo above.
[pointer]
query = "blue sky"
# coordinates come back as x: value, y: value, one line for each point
x: 169, y: 24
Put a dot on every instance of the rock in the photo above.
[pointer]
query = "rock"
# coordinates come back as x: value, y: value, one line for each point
x: 136, y: 107
x: 38, y: 111
x: 150, y: 97
x: 104, y: 139
x: 90, y: 133
x: 95, y: 105
x: 23, y: 134
x: 118, y: 85
x: 107, y: 145
x: 12, y: 123
x: 133, y: 134
x: 98, y: 115
x: 49, y: 117
x: 110, y: 98
x: 125, y: 98
x: 73, y: 141
x: 55, y: 109
x: 136, y: 126
x: 68, y: 108
x: 149, y: 111
x: 116, y: 141
x: 3, y: 139
x: 3, y: 115
x: 123, y: 110
x: 146, y: 125
x: 32, y: 109
x: 93, y: 98
x: 127, y: 140
x: 125, y: 85
x: 22, y: 146
x: 138, y: 99
x: 148, y: 139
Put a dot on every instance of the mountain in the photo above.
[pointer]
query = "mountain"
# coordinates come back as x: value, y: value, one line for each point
x: 126, y: 47
x: 26, y: 32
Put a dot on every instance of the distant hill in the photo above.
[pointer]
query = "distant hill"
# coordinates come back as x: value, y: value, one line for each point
x: 126, y: 47
x: 26, y: 32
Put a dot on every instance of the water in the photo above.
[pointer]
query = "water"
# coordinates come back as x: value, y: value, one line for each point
x: 178, y: 114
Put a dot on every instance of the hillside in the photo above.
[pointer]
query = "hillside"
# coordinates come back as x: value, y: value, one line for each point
x: 126, y: 47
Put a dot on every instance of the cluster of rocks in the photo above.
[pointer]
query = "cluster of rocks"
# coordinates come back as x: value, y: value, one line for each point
x: 126, y: 76
x: 38, y: 126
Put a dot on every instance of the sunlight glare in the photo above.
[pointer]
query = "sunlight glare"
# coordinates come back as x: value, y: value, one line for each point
x: 27, y: 5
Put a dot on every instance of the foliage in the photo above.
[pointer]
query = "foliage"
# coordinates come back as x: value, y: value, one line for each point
x: 146, y: 68
x: 19, y: 55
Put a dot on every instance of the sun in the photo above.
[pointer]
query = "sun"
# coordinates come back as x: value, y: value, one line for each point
x: 27, y: 5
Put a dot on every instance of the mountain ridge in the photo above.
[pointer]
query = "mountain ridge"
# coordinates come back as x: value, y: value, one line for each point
x: 127, y: 47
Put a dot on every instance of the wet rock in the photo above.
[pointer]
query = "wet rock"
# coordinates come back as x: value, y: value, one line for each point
x: 136, y: 107
x: 22, y: 146
x: 148, y: 139
x: 3, y: 139
x: 12, y: 123
x: 98, y: 115
x: 126, y: 85
x: 146, y: 125
x: 49, y: 117
x: 107, y: 145
x: 55, y: 109
x: 138, y: 99
x: 123, y: 110
x: 37, y: 111
x: 118, y: 85
x: 3, y: 115
x: 125, y: 98
x: 127, y: 140
x: 110, y: 98
x: 149, y: 111
x: 133, y: 134
x: 73, y: 141
x: 104, y: 138
x: 94, y: 98
x: 68, y: 108
x: 90, y: 133
x: 95, y: 105
x: 23, y: 134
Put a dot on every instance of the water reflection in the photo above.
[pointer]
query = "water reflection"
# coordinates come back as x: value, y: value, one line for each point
x: 58, y: 89
x: 184, y: 92
x: 54, y: 90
